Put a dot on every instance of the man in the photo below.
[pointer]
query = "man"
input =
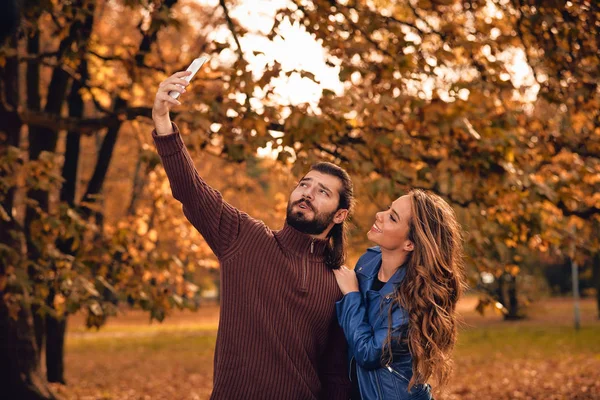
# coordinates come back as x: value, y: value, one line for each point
x: 278, y: 335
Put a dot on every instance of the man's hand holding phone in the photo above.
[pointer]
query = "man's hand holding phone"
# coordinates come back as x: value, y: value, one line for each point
x: 163, y: 102
x: 168, y: 92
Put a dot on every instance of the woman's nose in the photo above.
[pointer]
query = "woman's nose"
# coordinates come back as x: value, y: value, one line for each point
x: 379, y: 216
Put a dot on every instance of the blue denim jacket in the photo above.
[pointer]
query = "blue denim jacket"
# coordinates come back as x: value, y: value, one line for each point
x: 364, y: 318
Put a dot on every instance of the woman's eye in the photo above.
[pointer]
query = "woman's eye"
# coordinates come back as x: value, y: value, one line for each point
x: 392, y: 218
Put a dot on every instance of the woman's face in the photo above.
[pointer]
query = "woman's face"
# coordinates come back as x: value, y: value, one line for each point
x: 390, y: 230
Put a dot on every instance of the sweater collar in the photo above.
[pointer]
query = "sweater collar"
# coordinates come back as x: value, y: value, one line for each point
x: 301, y: 243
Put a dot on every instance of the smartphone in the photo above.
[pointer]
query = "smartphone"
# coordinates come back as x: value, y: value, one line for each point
x: 194, y: 67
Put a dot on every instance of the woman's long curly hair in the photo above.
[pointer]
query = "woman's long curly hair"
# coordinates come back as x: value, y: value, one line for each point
x: 433, y: 283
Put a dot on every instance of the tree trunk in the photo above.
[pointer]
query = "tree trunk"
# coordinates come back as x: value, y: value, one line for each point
x: 10, y: 123
x: 596, y: 278
x: 55, y: 348
x: 55, y: 328
x: 39, y: 330
x: 19, y: 373
x: 20, y: 377
x: 138, y: 184
x: 44, y: 139
x: 104, y: 156
x: 513, y: 301
x: 507, y: 294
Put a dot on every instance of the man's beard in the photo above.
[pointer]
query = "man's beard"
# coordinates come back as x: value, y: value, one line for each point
x: 315, y: 226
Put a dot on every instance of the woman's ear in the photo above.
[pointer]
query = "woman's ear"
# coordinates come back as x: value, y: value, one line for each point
x: 409, y: 246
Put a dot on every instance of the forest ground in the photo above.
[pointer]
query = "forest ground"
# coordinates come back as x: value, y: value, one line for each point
x: 541, y: 357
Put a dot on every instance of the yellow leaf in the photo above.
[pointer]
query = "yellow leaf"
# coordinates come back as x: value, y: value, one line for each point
x: 513, y: 269
x: 142, y: 228
x: 510, y: 155
x: 59, y: 304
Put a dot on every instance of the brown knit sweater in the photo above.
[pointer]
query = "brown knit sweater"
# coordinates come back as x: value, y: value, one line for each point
x: 278, y: 336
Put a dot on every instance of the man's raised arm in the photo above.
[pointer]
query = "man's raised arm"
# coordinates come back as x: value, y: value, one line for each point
x: 204, y: 207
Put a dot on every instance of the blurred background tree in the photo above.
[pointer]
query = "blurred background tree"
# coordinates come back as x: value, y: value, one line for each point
x: 491, y: 104
x: 494, y: 105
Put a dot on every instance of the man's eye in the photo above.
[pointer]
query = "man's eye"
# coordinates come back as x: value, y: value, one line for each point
x: 324, y: 192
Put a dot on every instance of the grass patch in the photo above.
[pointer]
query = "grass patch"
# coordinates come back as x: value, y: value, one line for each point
x: 141, y: 329
x: 539, y: 358
x: 168, y: 341
x: 528, y: 341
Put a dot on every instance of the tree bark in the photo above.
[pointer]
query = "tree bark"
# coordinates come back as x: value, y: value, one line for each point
x: 507, y: 294
x: 20, y: 377
x: 48, y: 329
x: 138, y: 185
x: 10, y: 123
x: 56, y: 327
x: 513, y: 301
x: 106, y: 151
x: 55, y: 348
x: 596, y: 278
x: 39, y: 331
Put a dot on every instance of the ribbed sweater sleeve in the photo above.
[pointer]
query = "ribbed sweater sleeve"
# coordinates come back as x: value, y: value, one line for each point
x: 216, y: 220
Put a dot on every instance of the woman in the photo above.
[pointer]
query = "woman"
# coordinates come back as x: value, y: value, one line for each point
x: 398, y: 309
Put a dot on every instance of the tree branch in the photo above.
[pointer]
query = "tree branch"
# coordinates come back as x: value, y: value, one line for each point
x: 583, y: 214
x: 124, y: 61
x: 231, y: 26
x: 240, y: 53
x: 417, y: 15
x: 84, y: 126
x: 38, y: 56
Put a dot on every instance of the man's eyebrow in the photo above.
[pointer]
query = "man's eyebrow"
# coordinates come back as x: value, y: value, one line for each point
x: 305, y: 179
x: 324, y: 188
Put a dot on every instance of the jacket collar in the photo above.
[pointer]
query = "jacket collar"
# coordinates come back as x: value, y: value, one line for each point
x: 367, y: 272
x: 300, y: 243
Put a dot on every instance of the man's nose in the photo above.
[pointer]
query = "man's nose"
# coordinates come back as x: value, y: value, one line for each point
x: 308, y: 193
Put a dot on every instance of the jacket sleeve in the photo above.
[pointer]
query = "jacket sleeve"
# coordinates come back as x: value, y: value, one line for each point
x: 365, y: 342
x: 216, y: 220
x: 333, y: 371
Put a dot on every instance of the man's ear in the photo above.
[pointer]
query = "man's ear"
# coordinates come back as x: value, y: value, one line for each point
x: 340, y: 216
x: 409, y: 246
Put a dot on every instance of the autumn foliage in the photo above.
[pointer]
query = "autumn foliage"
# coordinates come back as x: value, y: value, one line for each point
x: 493, y: 105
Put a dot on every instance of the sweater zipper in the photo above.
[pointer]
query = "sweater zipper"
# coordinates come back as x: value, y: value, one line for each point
x: 305, y: 266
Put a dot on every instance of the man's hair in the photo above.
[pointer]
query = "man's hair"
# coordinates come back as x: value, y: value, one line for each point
x: 336, y: 252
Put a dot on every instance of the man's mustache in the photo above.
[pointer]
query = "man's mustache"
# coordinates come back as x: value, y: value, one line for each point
x: 307, y: 202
